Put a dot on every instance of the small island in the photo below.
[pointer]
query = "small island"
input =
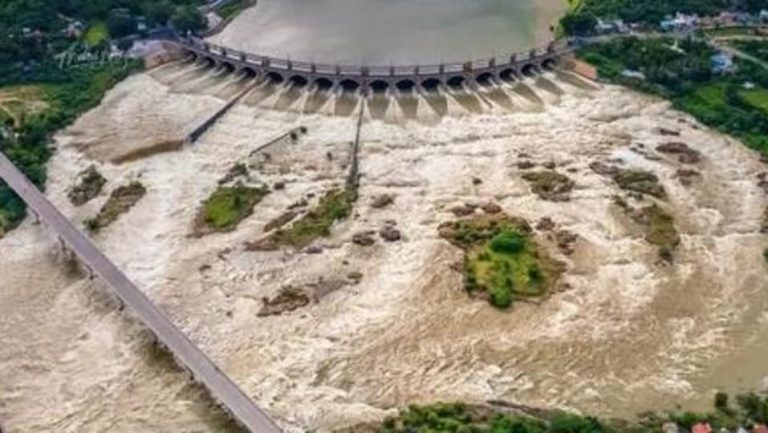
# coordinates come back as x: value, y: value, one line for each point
x: 503, y: 262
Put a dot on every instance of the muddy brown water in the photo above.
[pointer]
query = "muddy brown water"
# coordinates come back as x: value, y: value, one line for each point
x: 628, y: 335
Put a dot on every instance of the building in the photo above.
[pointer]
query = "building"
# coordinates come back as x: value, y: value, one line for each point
x: 722, y: 63
x: 613, y: 26
x: 701, y: 427
x: 680, y: 23
x: 633, y: 74
x: 585, y: 70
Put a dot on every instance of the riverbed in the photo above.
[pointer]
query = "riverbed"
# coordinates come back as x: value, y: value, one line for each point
x: 626, y: 334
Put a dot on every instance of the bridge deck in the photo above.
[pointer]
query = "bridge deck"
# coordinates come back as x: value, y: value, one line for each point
x: 220, y: 385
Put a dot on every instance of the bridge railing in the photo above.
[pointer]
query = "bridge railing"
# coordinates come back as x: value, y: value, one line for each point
x: 358, y: 71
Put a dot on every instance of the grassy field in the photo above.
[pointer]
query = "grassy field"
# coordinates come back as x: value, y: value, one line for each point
x: 96, y: 34
x: 757, y: 98
x: 334, y: 206
x: 707, y: 98
x: 16, y: 102
x: 228, y: 206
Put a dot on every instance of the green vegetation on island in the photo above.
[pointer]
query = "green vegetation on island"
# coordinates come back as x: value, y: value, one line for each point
x: 227, y: 207
x: 120, y: 201
x: 334, y: 206
x: 733, y: 102
x: 502, y: 262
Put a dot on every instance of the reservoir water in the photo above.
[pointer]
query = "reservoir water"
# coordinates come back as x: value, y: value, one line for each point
x: 384, y: 32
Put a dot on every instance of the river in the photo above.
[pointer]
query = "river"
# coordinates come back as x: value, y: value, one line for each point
x: 384, y: 32
x: 625, y: 335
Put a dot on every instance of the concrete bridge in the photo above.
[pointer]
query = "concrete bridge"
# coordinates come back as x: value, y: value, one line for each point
x: 186, y: 353
x: 377, y: 78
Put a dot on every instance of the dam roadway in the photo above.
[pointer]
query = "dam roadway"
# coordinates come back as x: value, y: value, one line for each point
x: 221, y: 387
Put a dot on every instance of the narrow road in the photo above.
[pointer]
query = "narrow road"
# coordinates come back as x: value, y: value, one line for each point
x: 221, y: 387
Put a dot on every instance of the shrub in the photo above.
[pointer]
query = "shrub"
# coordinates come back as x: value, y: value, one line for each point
x: 507, y: 424
x: 721, y: 401
x: 501, y: 297
x: 569, y: 423
x: 508, y: 242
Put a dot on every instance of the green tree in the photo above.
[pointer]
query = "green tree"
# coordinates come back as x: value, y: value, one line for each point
x: 188, y: 19
x: 158, y: 12
x: 120, y: 23
x: 579, y: 23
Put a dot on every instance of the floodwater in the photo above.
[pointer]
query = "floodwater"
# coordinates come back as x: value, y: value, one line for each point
x: 626, y: 335
x: 384, y: 32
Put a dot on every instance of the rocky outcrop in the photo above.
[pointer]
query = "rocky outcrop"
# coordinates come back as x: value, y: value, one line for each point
x: 685, y: 155
x: 364, y: 239
x: 120, y: 201
x: 550, y: 185
x: 640, y: 181
x: 89, y: 185
x: 281, y: 220
x: 288, y: 299
x: 390, y: 234
x: 383, y: 200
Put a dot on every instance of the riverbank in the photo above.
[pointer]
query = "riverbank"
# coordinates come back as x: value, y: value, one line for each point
x: 731, y: 99
x: 63, y: 96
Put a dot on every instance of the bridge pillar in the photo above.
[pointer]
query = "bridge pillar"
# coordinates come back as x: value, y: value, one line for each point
x: 532, y: 53
x: 265, y: 62
x: 365, y: 72
x: 467, y: 68
x: 492, y: 62
x: 289, y: 65
x: 242, y: 57
x: 224, y: 52
x: 391, y: 71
